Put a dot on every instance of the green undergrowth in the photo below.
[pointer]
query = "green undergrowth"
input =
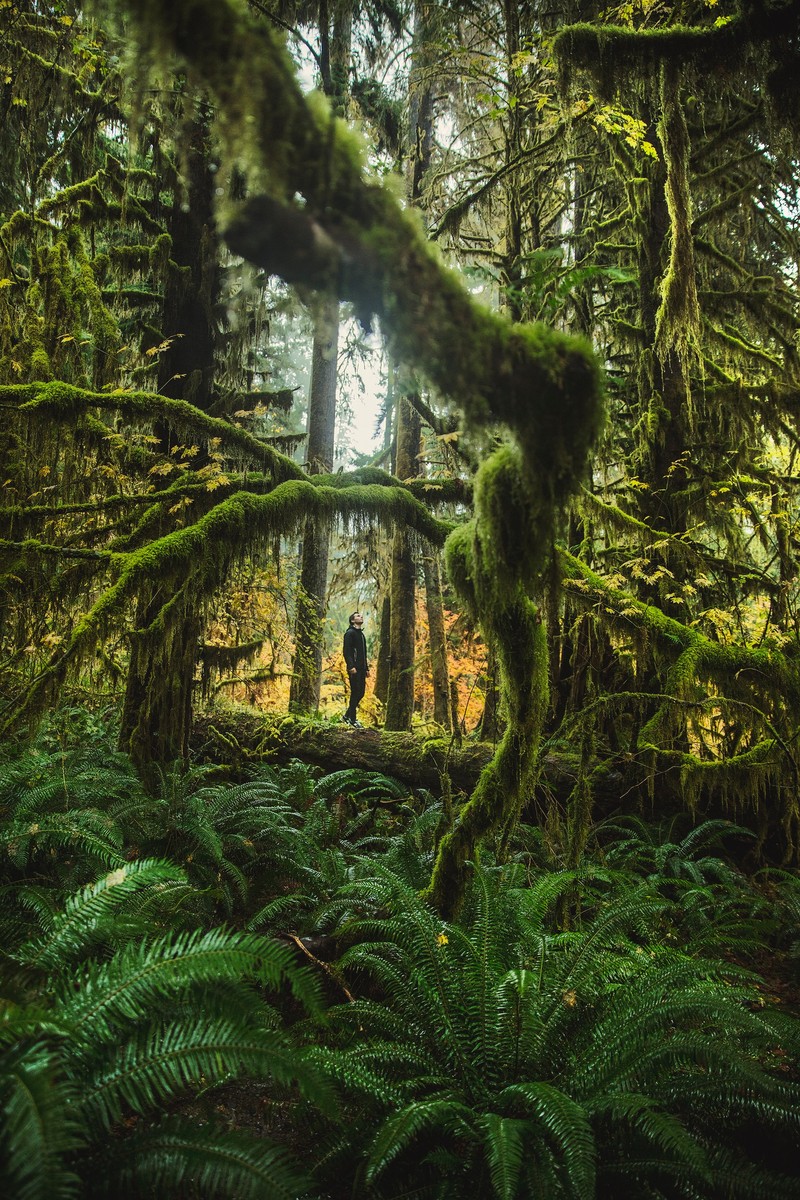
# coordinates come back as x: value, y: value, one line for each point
x: 204, y: 978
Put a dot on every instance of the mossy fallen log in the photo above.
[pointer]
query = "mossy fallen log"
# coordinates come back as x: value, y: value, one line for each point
x: 240, y: 735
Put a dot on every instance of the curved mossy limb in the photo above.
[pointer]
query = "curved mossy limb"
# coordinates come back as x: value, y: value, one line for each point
x: 769, y: 668
x: 508, y: 779
x: 494, y: 561
x: 541, y: 383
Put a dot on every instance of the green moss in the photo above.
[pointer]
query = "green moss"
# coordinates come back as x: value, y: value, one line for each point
x: 40, y: 364
x: 508, y: 779
x: 702, y: 674
x: 160, y: 252
x: 65, y: 401
x: 88, y: 189
x: 613, y: 52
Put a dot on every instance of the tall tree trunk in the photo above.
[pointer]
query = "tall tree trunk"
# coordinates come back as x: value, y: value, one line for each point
x: 157, y: 708
x: 438, y: 644
x: 381, y: 685
x: 157, y: 711
x: 402, y: 592
x: 186, y: 367
x: 400, y: 699
x: 312, y: 591
x: 336, y: 42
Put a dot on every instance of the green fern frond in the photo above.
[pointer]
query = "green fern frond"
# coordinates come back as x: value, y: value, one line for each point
x: 40, y: 1126
x: 297, y: 782
x: 35, y: 782
x: 664, y: 1131
x: 89, y: 915
x: 177, y: 1155
x: 566, y: 1125
x: 538, y: 899
x: 85, y: 831
x: 347, y: 1069
x: 144, y: 975
x: 403, y: 1127
x: 504, y: 1141
x: 162, y: 1061
x: 361, y: 785
x: 279, y: 911
x: 737, y: 1179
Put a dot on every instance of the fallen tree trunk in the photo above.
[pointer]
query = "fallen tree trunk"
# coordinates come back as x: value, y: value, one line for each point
x: 241, y: 735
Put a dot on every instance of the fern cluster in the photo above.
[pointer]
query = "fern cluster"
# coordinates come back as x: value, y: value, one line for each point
x: 589, y: 1031
x: 499, y: 1057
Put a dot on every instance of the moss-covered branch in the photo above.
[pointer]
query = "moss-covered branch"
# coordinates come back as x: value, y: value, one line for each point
x: 200, y: 554
x: 542, y: 384
x: 716, y: 44
x: 66, y: 402
x: 766, y: 668
x: 764, y: 31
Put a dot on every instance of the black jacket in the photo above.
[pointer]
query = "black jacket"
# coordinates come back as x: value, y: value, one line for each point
x: 354, y: 649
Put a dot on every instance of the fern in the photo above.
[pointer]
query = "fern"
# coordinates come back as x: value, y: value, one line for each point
x: 588, y: 1047
x: 89, y: 915
x: 84, y: 831
x: 176, y: 1154
x: 504, y: 1147
x: 162, y: 1061
x: 144, y: 975
x: 407, y: 1125
x: 41, y: 1127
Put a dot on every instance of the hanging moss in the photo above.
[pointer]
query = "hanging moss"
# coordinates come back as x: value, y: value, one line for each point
x: 221, y: 660
x: 493, y: 562
x: 678, y: 317
x: 614, y: 52
x: 707, y: 675
x: 66, y: 402
x: 194, y: 561
x: 40, y: 368
x: 541, y: 385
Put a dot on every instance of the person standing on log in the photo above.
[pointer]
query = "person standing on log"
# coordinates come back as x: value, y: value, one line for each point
x: 354, y: 649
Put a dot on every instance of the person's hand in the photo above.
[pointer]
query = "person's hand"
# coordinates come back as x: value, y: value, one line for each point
x: 352, y: 670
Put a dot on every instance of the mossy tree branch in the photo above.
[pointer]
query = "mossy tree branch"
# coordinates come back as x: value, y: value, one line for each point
x: 66, y: 402
x: 200, y: 555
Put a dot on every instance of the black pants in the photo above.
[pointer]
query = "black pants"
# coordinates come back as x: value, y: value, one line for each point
x: 358, y: 684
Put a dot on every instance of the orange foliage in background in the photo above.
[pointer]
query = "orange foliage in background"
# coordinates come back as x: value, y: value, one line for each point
x: 466, y: 664
x: 258, y: 607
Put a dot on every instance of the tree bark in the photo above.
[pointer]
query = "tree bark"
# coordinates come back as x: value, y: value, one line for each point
x: 381, y: 686
x: 304, y: 694
x: 400, y: 699
x: 157, y: 708
x: 438, y: 643
x: 490, y: 720
x: 312, y: 592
